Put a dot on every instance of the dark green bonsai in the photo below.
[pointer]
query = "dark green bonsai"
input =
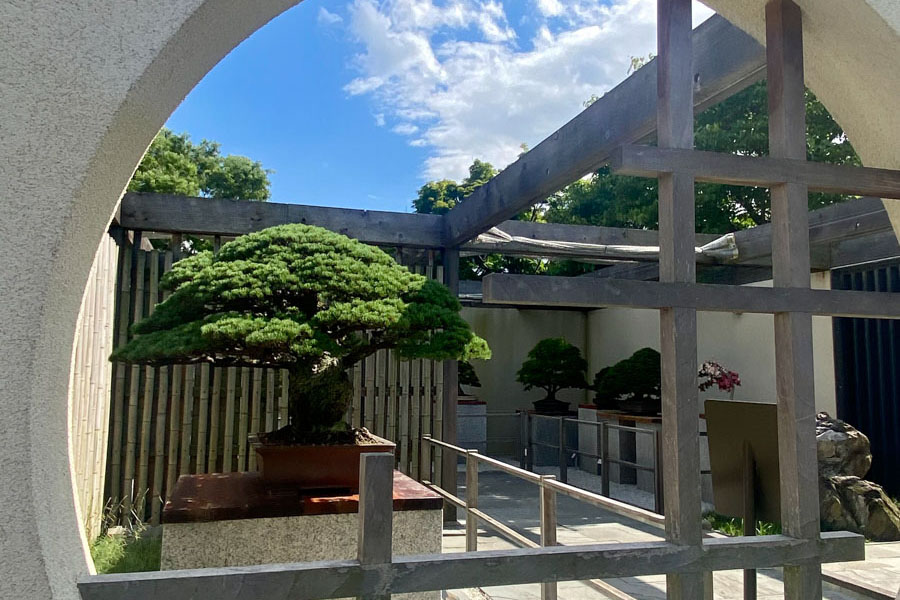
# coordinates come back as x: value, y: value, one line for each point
x: 306, y: 299
x: 467, y: 376
x: 632, y: 384
x: 553, y: 365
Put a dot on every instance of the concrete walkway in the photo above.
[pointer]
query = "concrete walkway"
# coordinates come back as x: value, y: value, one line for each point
x: 515, y: 502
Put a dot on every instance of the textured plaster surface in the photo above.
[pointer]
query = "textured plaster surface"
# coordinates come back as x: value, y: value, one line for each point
x: 84, y: 85
x: 293, y: 539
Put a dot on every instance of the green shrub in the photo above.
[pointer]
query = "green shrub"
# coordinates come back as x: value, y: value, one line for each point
x: 306, y: 299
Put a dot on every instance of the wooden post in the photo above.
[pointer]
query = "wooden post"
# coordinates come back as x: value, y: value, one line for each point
x: 749, y: 516
x: 471, y: 500
x: 450, y: 392
x: 790, y: 268
x: 678, y: 326
x: 548, y: 530
x: 376, y: 511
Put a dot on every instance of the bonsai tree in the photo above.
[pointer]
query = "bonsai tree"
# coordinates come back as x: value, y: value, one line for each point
x: 713, y: 374
x: 306, y: 299
x: 467, y: 376
x: 552, y: 365
x: 632, y: 384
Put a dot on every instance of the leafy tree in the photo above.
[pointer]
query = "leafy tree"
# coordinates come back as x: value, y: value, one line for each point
x: 552, y: 365
x: 175, y: 165
x: 306, y: 299
x: 636, y: 380
x: 736, y: 125
x: 439, y: 197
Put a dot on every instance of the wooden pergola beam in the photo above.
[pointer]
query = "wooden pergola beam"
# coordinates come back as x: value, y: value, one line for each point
x: 725, y: 60
x: 225, y: 217
x: 760, y: 171
x: 598, y: 292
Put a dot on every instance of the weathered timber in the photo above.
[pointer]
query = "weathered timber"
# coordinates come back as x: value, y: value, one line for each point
x: 794, y: 379
x: 725, y: 61
x: 761, y: 171
x: 451, y: 390
x: 314, y: 581
x: 593, y: 292
x: 162, y: 212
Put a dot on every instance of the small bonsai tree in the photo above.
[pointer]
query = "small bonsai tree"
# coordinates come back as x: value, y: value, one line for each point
x: 713, y: 374
x: 306, y: 299
x: 467, y: 376
x: 632, y: 384
x: 552, y: 365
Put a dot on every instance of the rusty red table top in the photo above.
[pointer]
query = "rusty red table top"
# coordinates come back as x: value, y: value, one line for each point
x: 229, y: 496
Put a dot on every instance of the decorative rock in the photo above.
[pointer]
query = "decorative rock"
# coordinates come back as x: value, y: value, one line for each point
x: 842, y: 449
x: 854, y: 504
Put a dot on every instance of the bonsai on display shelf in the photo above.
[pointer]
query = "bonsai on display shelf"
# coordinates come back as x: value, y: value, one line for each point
x: 467, y: 377
x: 634, y: 384
x: 553, y: 365
x: 311, y: 301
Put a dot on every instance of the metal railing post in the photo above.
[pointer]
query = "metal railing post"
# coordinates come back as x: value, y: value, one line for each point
x: 604, y: 459
x: 523, y: 440
x: 563, y: 460
x: 376, y: 511
x: 548, y: 530
x: 471, y: 500
x: 657, y: 475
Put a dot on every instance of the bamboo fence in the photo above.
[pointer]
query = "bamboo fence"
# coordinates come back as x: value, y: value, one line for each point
x: 186, y: 419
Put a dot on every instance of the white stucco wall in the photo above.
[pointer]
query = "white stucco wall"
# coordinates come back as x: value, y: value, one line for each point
x: 741, y: 342
x: 84, y: 86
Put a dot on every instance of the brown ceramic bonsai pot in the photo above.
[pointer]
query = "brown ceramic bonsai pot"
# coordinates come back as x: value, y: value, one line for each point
x: 315, y: 467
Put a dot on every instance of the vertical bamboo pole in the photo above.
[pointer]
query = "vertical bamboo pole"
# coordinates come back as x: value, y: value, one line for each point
x: 149, y: 384
x: 159, y: 447
x: 174, y: 428
x: 118, y: 408
x: 369, y: 408
x: 283, y: 416
x: 228, y: 440
x: 243, y: 419
x: 128, y: 490
x: 356, y: 420
x: 404, y: 416
x: 794, y: 376
x: 270, y: 399
x: 214, y: 416
x: 392, y: 364
x: 187, y: 420
x: 678, y: 326
x: 415, y: 416
x: 381, y: 393
x: 255, y: 415
x: 203, y: 420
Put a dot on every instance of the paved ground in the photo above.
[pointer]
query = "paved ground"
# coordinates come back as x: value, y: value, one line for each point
x: 515, y: 502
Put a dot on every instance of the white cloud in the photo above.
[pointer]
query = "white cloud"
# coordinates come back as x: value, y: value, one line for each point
x: 326, y: 18
x: 405, y: 129
x: 457, y: 75
x: 379, y: 119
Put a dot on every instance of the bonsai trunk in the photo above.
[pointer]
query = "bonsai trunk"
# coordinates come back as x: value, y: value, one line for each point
x: 550, y: 405
x: 317, y: 404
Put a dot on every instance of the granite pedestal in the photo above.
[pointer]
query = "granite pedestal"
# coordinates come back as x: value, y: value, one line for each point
x: 234, y: 519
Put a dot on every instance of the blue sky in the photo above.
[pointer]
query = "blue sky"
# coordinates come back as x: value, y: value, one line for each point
x: 358, y: 103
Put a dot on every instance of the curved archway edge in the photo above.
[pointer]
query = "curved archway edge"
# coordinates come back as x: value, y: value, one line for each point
x: 86, y: 86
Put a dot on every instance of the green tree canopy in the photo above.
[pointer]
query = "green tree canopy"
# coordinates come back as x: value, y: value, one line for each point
x: 552, y: 365
x: 304, y: 298
x: 439, y: 197
x: 175, y: 165
x: 738, y: 125
x: 638, y: 377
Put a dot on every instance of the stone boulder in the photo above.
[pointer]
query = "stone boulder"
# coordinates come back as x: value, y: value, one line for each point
x: 853, y: 504
x: 842, y: 449
x: 846, y: 501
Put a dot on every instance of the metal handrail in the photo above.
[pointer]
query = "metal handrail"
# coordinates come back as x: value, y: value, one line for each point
x: 548, y: 487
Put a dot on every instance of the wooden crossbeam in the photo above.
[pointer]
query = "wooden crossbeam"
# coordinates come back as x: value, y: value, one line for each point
x: 726, y: 60
x: 168, y: 213
x: 761, y: 171
x: 316, y: 581
x: 594, y: 292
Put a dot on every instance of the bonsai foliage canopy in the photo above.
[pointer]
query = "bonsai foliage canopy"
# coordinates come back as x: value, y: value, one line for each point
x: 303, y: 298
x: 552, y: 365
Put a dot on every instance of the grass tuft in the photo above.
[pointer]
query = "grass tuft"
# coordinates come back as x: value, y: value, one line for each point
x: 126, y: 553
x: 733, y: 526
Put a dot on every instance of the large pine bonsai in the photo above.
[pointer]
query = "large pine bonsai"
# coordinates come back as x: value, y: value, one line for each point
x: 307, y: 299
x: 553, y: 365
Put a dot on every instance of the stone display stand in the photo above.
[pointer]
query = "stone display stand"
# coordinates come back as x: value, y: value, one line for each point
x: 471, y: 424
x: 630, y: 446
x: 233, y: 519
